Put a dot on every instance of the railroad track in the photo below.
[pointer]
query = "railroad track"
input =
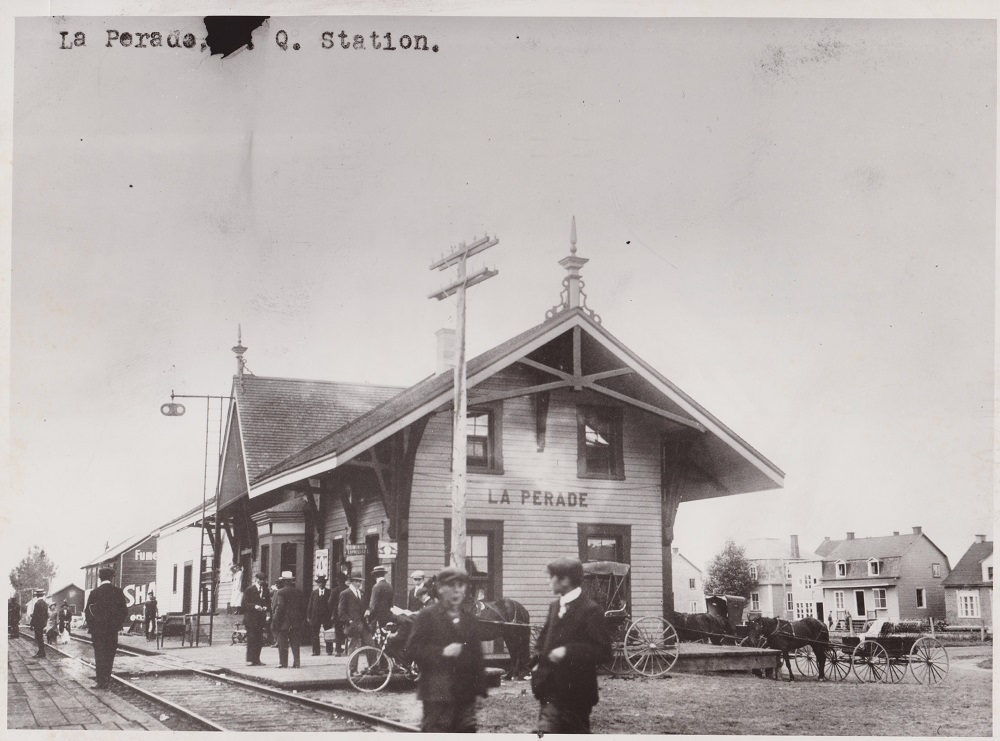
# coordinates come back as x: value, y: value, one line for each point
x: 223, y: 703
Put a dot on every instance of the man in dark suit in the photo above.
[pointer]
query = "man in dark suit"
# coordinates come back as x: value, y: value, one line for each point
x: 39, y: 619
x: 445, y: 644
x: 256, y: 603
x: 573, y: 643
x: 107, y: 611
x: 289, y: 614
x: 380, y: 606
x: 351, y: 612
x: 149, y: 613
x: 414, y: 602
x: 319, y: 611
x: 341, y: 578
x: 65, y: 617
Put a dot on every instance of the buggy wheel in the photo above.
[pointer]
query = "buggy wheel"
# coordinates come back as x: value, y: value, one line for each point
x: 651, y: 646
x: 871, y: 662
x: 805, y: 662
x: 928, y: 661
x: 618, y: 666
x: 838, y: 665
x: 369, y: 669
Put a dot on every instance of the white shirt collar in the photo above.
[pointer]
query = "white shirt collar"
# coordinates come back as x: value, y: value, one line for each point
x: 565, y: 599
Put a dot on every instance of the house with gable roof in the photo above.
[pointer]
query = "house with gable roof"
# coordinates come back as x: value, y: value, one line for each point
x: 786, y: 579
x: 892, y: 577
x: 576, y: 446
x: 968, y: 588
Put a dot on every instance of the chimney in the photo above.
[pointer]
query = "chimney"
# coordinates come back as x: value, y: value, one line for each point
x: 980, y: 538
x: 850, y: 536
x: 917, y: 530
x: 826, y: 538
x: 895, y: 532
x: 678, y: 550
x: 795, y: 546
x: 446, y: 350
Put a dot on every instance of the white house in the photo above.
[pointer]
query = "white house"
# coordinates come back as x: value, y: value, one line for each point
x: 689, y: 585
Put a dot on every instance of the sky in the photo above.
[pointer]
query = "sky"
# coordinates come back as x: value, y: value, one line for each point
x: 792, y: 220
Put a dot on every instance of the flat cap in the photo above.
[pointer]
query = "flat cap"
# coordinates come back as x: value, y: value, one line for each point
x: 450, y: 574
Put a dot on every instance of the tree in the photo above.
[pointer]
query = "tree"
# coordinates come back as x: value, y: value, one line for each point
x: 729, y: 572
x: 35, y: 571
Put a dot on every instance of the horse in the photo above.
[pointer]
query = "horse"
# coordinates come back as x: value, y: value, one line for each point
x: 504, y: 619
x: 788, y: 636
x: 703, y: 626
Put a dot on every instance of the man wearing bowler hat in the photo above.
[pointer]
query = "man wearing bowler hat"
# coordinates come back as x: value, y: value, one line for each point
x: 256, y: 603
x: 106, y: 611
x: 289, y: 614
x: 319, y: 612
x: 39, y: 618
x: 445, y: 643
x: 380, y: 606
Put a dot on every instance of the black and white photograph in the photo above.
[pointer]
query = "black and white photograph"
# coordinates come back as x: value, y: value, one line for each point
x: 515, y: 370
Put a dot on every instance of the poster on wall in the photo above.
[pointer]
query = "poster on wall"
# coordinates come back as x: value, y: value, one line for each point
x: 321, y: 562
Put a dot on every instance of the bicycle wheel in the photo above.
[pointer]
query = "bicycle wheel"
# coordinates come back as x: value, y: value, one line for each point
x: 369, y: 669
x: 805, y: 662
x: 928, y: 661
x: 651, y: 646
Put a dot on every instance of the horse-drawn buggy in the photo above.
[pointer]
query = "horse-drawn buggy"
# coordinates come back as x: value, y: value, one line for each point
x: 646, y: 646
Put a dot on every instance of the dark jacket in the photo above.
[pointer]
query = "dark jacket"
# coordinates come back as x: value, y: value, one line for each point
x: 582, y: 631
x: 320, y: 609
x: 39, y: 614
x: 255, y: 606
x: 381, y: 602
x: 65, y: 617
x: 413, y: 602
x: 107, y: 609
x: 149, y: 609
x: 443, y: 679
x: 349, y: 607
x: 289, y: 609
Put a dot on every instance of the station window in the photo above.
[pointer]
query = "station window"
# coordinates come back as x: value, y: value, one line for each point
x: 921, y: 598
x: 603, y: 542
x: 599, y: 443
x: 484, y: 451
x: 483, y: 556
x: 265, y: 563
x: 175, y: 578
x: 879, y: 595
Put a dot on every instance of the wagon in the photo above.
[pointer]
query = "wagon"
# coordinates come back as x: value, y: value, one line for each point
x: 647, y: 646
x: 883, y: 654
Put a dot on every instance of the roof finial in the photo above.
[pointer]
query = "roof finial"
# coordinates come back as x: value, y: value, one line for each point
x: 572, y: 296
x: 239, y: 350
x: 572, y: 236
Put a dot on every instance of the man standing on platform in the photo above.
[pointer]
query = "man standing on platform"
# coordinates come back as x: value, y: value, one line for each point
x: 107, y: 611
x: 256, y: 601
x: 380, y: 606
x: 413, y: 601
x: 573, y: 643
x: 351, y: 612
x: 319, y: 612
x: 289, y: 614
x: 149, y: 613
x: 39, y: 619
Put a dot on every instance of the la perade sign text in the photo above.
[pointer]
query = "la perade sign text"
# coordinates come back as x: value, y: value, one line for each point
x: 176, y: 39
x: 536, y: 498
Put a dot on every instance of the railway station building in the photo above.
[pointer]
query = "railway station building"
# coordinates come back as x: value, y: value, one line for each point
x: 576, y: 446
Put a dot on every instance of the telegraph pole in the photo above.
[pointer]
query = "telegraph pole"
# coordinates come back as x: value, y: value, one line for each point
x: 458, y: 257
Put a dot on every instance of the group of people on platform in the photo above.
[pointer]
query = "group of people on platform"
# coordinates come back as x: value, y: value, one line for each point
x: 444, y: 640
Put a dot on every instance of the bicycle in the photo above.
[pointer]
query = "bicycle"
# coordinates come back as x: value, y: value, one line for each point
x: 371, y: 668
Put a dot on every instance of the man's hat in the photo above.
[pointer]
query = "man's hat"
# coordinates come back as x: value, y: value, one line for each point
x: 105, y: 573
x: 379, y: 570
x: 39, y: 592
x: 357, y: 577
x: 321, y: 578
x: 417, y: 575
x: 287, y: 576
x: 260, y: 575
x: 452, y: 574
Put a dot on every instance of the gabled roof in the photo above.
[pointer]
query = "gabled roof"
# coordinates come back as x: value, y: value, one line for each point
x: 280, y: 416
x: 968, y: 571
x: 735, y: 467
x: 770, y: 549
x: 854, y: 549
x: 118, y: 550
x: 191, y: 516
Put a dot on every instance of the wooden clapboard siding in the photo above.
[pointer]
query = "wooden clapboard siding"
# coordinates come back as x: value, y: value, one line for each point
x: 534, y: 535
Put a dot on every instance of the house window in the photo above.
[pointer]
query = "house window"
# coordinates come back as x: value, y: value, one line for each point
x: 604, y: 542
x: 936, y: 570
x: 483, y: 440
x: 599, y: 443
x: 874, y: 567
x: 808, y: 581
x: 753, y: 571
x: 879, y: 595
x: 989, y: 573
x: 175, y: 578
x: 841, y: 568
x: 789, y: 602
x: 755, y: 601
x: 691, y: 584
x: 693, y: 607
x: 968, y: 604
x: 803, y: 610
x: 921, y: 598
x: 838, y: 600
x: 788, y: 571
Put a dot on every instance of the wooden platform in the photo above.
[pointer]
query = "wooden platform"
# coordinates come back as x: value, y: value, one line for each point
x: 700, y: 658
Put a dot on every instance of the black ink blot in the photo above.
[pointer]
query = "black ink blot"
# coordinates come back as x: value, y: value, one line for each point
x: 230, y: 33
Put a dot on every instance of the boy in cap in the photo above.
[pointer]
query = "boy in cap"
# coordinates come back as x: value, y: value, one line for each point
x: 414, y: 601
x: 319, y: 611
x: 445, y: 644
